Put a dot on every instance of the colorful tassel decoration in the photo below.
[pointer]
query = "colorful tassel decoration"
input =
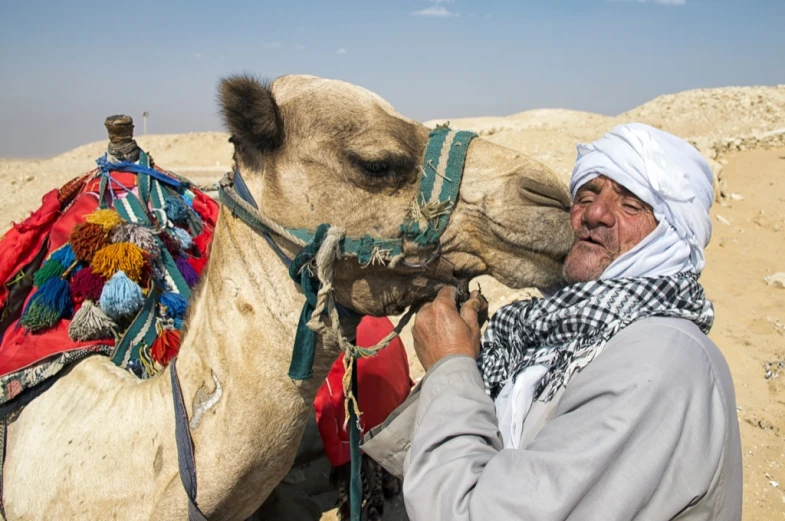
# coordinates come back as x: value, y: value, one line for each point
x: 64, y: 255
x: 51, y: 268
x: 175, y: 304
x: 202, y: 242
x: 105, y: 218
x: 69, y: 190
x: 90, y: 323
x: 170, y: 243
x: 121, y: 297
x: 165, y: 346
x: 86, y: 285
x: 50, y: 303
x: 86, y: 239
x: 141, y: 236
x: 159, y: 272
x: 176, y: 210
x: 182, y: 237
x: 186, y: 270
x: 122, y: 256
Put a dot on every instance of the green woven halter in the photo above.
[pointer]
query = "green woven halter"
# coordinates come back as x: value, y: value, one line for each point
x: 441, y: 172
x: 440, y: 182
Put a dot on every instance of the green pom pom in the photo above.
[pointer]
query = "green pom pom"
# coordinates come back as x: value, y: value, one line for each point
x: 51, y: 268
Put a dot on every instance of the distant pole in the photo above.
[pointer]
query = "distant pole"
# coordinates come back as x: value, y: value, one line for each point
x: 144, y: 119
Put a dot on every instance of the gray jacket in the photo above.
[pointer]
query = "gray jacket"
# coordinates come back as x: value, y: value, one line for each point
x: 648, y: 431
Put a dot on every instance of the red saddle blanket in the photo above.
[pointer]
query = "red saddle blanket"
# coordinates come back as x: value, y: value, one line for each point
x: 26, y: 245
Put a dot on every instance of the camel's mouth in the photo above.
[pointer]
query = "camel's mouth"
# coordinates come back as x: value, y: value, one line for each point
x: 553, y: 247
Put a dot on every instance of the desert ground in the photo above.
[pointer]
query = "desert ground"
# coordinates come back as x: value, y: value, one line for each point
x: 740, y: 130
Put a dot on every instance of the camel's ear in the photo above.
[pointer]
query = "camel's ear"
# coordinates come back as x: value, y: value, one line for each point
x: 251, y: 116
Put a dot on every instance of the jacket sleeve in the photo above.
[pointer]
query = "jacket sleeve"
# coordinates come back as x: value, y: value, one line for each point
x: 637, y: 435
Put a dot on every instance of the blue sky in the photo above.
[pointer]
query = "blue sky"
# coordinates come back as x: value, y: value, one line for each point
x: 64, y: 66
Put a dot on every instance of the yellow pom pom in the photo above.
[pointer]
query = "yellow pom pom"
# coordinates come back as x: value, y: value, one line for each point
x: 105, y: 218
x: 121, y: 256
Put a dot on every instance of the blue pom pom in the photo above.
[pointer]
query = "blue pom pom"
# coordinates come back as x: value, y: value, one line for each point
x: 182, y: 237
x: 176, y: 210
x: 178, y: 324
x: 64, y: 256
x: 121, y: 297
x: 175, y: 304
x: 48, y: 305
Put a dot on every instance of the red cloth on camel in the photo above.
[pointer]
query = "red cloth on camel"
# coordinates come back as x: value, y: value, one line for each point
x: 20, y: 349
x: 383, y: 383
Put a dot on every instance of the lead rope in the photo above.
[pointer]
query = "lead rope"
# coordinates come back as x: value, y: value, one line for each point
x: 325, y: 260
x: 329, y: 253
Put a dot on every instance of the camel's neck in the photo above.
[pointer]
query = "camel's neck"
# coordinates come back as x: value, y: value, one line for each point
x: 244, y: 320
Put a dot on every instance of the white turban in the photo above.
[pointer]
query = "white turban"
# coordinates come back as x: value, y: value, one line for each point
x: 670, y: 175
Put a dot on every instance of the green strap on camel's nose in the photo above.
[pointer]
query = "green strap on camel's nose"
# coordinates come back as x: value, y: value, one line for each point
x: 442, y: 173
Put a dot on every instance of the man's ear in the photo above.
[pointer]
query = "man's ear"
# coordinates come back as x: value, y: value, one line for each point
x: 251, y: 116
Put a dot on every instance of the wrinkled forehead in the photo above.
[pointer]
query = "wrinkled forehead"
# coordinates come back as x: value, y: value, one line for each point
x: 321, y: 94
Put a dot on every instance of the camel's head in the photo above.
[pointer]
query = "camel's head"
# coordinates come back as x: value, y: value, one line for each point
x: 316, y: 151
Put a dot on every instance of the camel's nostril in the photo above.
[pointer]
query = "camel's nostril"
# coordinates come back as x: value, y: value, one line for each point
x: 545, y: 194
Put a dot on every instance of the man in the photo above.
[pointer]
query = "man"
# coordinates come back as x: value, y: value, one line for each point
x: 606, y: 400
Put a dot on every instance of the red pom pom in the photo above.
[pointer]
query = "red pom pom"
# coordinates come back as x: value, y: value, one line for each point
x: 166, y: 346
x: 86, y: 285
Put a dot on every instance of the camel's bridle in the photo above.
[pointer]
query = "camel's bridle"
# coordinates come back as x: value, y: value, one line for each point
x: 440, y: 182
x: 441, y: 176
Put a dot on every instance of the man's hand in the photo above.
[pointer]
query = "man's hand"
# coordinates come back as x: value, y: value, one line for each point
x: 440, y: 330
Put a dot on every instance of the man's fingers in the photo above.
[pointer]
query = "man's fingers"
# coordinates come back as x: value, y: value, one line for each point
x: 447, y: 294
x: 480, y: 298
x: 471, y: 310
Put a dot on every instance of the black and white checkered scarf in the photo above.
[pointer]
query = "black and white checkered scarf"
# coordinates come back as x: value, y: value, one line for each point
x: 566, y: 331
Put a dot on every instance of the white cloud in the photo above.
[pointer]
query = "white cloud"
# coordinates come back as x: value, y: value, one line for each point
x: 342, y: 51
x: 196, y: 55
x: 436, y: 10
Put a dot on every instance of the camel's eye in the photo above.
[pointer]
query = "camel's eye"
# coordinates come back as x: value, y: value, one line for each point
x: 376, y: 168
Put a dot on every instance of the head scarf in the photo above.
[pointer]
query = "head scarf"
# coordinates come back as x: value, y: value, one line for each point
x: 670, y: 175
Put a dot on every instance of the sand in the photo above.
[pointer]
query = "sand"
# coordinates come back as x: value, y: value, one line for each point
x: 741, y: 130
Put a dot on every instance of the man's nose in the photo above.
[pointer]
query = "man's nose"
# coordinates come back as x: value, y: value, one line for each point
x: 599, y: 213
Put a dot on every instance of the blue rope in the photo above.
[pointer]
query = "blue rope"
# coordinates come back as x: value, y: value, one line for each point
x: 126, y: 166
x: 355, y: 482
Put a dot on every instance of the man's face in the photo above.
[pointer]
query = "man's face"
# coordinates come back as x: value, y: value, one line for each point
x: 608, y: 220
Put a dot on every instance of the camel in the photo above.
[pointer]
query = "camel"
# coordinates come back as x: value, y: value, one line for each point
x: 99, y: 444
